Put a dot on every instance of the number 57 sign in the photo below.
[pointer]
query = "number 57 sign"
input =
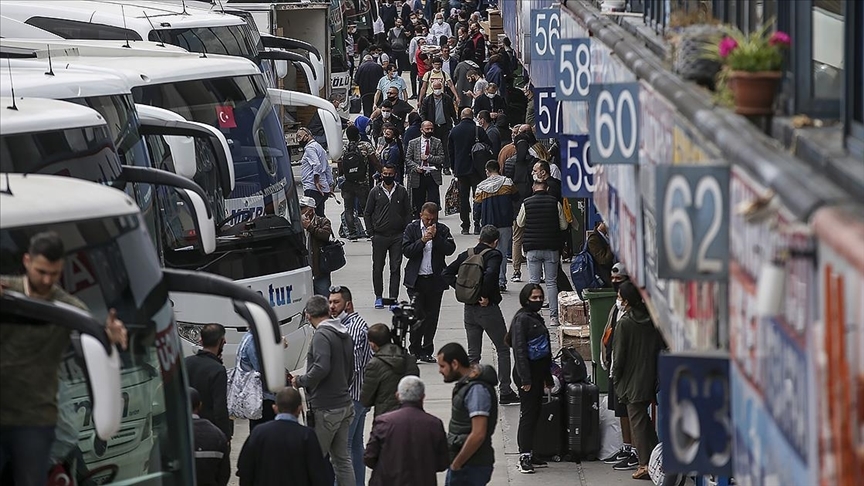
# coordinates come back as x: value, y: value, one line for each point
x: 692, y: 222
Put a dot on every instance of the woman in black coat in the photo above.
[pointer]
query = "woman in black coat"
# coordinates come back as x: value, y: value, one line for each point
x: 532, y: 355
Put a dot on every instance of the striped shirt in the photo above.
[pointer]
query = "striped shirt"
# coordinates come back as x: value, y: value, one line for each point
x: 357, y: 329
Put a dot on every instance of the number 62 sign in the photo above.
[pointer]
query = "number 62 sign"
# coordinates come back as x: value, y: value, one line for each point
x: 692, y: 222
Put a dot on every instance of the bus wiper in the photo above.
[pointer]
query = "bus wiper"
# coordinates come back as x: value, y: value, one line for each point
x: 215, y: 260
x: 222, y: 223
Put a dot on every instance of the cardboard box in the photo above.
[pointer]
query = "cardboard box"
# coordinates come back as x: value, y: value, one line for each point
x: 573, y: 311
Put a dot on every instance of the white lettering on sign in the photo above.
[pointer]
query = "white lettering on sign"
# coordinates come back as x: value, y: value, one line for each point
x: 78, y: 274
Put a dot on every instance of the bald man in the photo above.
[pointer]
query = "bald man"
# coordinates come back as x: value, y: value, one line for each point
x: 440, y: 110
x: 462, y: 138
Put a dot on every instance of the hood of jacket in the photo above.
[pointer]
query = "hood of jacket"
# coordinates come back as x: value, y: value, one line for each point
x: 393, y: 356
x: 492, y: 184
x: 639, y: 316
x: 336, y: 326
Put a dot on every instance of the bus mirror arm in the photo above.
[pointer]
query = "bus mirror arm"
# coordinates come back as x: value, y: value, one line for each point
x: 288, y: 56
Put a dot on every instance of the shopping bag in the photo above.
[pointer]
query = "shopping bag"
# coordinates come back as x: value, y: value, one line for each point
x: 451, y: 199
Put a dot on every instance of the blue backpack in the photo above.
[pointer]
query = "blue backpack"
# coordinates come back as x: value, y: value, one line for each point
x: 582, y: 271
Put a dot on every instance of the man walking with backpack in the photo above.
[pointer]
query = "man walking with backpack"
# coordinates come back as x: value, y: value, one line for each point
x: 357, y: 164
x: 474, y: 275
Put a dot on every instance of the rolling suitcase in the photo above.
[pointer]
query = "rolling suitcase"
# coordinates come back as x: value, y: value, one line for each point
x: 549, y: 433
x: 583, y: 421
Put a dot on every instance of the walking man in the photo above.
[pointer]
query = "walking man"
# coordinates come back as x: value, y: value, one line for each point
x: 462, y: 138
x: 425, y: 243
x: 208, y: 377
x: 485, y: 121
x: 407, y: 446
x: 473, y: 417
x: 357, y: 165
x: 424, y: 161
x: 389, y: 364
x: 329, y: 371
x: 542, y: 219
x: 495, y: 196
x: 342, y: 308
x: 212, y: 448
x: 283, y: 447
x: 485, y: 315
x: 366, y: 78
x: 387, y: 213
x: 439, y: 110
x: 315, y: 172
x: 398, y: 39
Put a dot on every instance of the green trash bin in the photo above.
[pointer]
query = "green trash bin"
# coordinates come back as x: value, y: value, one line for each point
x: 600, y: 302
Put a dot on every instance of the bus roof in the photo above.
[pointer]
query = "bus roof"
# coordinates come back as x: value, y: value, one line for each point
x: 139, y: 16
x: 29, y: 78
x: 42, y: 115
x: 35, y: 199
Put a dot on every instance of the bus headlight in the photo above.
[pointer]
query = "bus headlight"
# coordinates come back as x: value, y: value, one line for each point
x: 190, y: 332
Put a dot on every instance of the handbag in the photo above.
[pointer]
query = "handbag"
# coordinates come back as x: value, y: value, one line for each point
x: 332, y: 256
x: 451, y: 199
x: 245, y: 393
x: 538, y: 348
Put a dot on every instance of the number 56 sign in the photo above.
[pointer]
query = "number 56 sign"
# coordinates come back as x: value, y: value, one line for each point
x: 692, y: 222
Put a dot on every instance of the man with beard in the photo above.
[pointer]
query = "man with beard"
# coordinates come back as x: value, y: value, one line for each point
x: 207, y: 375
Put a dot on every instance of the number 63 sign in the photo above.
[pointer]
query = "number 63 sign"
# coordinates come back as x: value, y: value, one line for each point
x: 692, y: 222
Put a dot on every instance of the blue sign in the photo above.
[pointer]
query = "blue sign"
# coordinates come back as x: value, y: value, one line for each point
x: 613, y: 121
x: 573, y: 69
x: 548, y: 121
x: 577, y: 174
x: 696, y: 422
x: 692, y: 222
x: 545, y: 32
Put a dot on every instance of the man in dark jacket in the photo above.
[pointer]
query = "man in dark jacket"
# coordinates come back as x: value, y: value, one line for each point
x: 207, y: 375
x: 387, y: 12
x: 283, y: 447
x: 473, y: 417
x: 478, y: 44
x: 317, y: 231
x: 462, y: 139
x: 484, y: 118
x: 542, y: 219
x: 366, y: 78
x: 388, y: 211
x: 601, y: 252
x: 397, y: 37
x: 212, y: 448
x: 439, y: 110
x: 485, y: 315
x: 518, y: 168
x: 387, y: 366
x: 329, y: 372
x: 407, y: 446
x: 425, y: 243
x: 495, y: 196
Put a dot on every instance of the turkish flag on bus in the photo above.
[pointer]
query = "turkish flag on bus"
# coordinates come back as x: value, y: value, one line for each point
x: 225, y: 113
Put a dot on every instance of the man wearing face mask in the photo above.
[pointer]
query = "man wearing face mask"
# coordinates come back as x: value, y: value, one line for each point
x: 367, y: 77
x: 465, y: 82
x: 495, y: 75
x: 315, y: 172
x: 389, y: 80
x: 439, y: 110
x: 478, y: 44
x: 397, y: 37
x: 462, y: 138
x: 207, y: 375
x: 424, y: 160
x: 437, y: 74
x: 491, y: 101
x: 385, y: 116
x: 541, y: 173
x: 438, y: 30
x: 387, y: 12
x: 413, y: 50
x: 601, y: 252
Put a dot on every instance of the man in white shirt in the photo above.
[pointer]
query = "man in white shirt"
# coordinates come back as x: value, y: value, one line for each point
x: 315, y: 172
x: 439, y: 29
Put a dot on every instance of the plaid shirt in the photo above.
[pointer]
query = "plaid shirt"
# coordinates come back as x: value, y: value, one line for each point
x: 357, y: 329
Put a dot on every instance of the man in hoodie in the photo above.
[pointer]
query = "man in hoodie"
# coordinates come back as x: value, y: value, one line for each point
x: 329, y: 371
x: 388, y: 365
x: 473, y: 417
x: 495, y: 196
x: 464, y: 84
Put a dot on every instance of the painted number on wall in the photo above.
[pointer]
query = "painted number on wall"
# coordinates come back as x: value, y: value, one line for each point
x: 614, y: 123
x: 578, y: 172
x: 573, y: 66
x: 547, y: 113
x: 545, y: 32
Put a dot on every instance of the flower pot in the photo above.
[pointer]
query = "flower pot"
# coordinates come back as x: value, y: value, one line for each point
x: 754, y: 91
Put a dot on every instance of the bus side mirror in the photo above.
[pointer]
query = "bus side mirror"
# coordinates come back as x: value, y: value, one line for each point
x: 269, y: 345
x: 104, y: 372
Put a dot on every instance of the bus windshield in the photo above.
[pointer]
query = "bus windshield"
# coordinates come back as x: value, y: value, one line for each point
x: 230, y: 40
x: 110, y: 263
x: 240, y: 108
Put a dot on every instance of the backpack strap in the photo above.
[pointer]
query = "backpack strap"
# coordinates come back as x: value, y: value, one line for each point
x: 476, y: 134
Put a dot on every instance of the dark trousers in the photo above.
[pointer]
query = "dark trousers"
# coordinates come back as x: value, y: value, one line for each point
x: 427, y: 192
x: 530, y: 405
x: 27, y: 450
x: 427, y: 299
x: 355, y: 196
x: 467, y: 185
x: 267, y: 414
x: 414, y: 89
x: 402, y: 62
x: 489, y: 319
x: 442, y: 132
x: 382, y: 246
x: 642, y: 430
x: 319, y: 198
x: 368, y: 100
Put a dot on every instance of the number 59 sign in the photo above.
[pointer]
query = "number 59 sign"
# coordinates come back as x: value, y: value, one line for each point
x: 692, y: 222
x: 578, y: 173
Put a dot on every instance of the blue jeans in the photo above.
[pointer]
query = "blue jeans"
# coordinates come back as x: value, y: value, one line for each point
x: 505, y: 245
x: 27, y: 450
x: 355, y: 442
x: 545, y: 261
x: 321, y: 285
x: 469, y: 476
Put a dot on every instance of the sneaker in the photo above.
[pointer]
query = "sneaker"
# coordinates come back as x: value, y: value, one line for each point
x: 476, y: 229
x: 428, y: 358
x: 465, y: 231
x: 510, y: 398
x: 553, y: 321
x: 517, y: 277
x: 628, y: 464
x: 618, y: 456
x: 545, y: 305
x: 502, y: 287
x: 446, y: 171
x: 641, y: 473
x: 379, y: 303
x: 509, y: 259
x: 538, y: 462
x: 525, y: 466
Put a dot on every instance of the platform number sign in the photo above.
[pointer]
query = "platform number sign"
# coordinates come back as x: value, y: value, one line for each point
x: 692, y: 222
x: 548, y: 121
x: 696, y: 420
x: 578, y: 174
x: 613, y: 121
x: 545, y: 32
x: 573, y: 67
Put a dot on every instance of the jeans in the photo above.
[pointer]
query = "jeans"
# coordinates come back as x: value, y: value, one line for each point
x: 505, y: 239
x: 479, y: 319
x: 382, y: 246
x: 545, y: 261
x: 332, y: 428
x: 427, y: 192
x: 321, y: 284
x: 319, y: 198
x: 355, y: 442
x: 642, y: 430
x: 469, y: 476
x: 355, y: 196
x: 518, y: 259
x: 26, y: 449
x: 428, y: 304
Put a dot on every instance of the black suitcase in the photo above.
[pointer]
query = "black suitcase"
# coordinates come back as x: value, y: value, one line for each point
x: 583, y: 421
x: 549, y: 434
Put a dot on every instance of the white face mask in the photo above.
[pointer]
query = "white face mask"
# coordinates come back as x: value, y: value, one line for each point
x: 478, y: 123
x: 490, y: 95
x: 620, y: 305
x: 385, y: 114
x: 342, y: 315
x: 439, y: 21
x: 437, y: 92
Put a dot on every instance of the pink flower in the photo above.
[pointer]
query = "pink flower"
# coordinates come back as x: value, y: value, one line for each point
x: 780, y: 38
x: 727, y: 45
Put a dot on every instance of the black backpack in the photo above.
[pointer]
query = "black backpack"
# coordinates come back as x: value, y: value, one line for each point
x: 480, y: 154
x: 355, y: 165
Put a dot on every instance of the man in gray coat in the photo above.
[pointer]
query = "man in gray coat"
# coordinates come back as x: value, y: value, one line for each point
x: 329, y: 371
x: 423, y: 163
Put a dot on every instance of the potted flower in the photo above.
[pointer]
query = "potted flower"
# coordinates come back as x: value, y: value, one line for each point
x: 753, y: 61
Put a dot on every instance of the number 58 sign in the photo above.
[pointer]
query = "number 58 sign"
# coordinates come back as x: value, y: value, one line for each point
x: 692, y: 222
